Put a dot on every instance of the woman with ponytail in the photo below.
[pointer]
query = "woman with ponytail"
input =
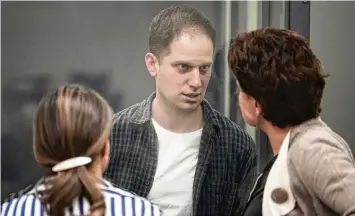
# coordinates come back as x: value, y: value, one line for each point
x: 71, y: 138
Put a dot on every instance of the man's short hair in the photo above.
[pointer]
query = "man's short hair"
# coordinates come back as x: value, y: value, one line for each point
x: 280, y: 71
x: 171, y: 22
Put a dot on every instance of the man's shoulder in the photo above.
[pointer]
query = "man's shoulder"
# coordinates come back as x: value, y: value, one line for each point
x: 234, y: 134
x: 129, y: 121
x: 136, y: 113
x: 126, y: 114
x: 229, y: 127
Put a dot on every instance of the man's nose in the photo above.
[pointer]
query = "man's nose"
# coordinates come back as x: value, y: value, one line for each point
x: 195, y: 79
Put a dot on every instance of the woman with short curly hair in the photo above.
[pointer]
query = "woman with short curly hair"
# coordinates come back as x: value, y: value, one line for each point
x: 281, y: 84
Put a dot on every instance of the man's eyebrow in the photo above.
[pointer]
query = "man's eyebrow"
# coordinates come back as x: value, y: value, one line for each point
x: 189, y: 63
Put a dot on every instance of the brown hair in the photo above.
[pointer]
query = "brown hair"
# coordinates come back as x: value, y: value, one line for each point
x: 72, y: 121
x: 169, y: 23
x: 279, y: 70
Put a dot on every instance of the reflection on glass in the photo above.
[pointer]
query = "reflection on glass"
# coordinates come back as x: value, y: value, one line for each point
x: 252, y: 24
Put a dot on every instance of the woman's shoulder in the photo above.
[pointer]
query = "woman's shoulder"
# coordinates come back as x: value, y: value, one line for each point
x: 25, y: 204
x: 315, y: 138
x: 118, y: 199
x: 321, y: 163
x: 112, y: 192
x: 118, y: 202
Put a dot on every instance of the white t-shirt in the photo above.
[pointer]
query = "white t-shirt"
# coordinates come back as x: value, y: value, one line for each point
x: 177, y: 160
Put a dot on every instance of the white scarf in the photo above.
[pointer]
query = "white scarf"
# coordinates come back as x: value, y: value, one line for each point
x: 279, y: 178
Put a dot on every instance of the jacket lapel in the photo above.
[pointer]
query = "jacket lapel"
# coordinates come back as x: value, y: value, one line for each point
x: 202, y: 163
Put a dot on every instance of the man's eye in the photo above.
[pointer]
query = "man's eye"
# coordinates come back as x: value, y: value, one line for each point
x: 205, y: 68
x: 184, y: 67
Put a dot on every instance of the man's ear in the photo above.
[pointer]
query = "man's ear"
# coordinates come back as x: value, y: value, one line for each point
x: 151, y: 61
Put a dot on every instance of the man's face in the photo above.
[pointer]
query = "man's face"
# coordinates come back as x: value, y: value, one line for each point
x: 182, y: 76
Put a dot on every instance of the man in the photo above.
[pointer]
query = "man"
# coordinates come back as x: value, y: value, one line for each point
x: 173, y: 148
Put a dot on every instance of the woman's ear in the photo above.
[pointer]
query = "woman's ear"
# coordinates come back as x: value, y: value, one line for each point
x: 258, y: 109
x: 106, y: 155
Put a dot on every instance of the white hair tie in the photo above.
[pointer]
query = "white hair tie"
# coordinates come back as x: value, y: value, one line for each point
x: 71, y: 163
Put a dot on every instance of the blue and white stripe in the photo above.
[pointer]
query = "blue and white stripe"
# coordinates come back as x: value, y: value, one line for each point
x: 118, y: 203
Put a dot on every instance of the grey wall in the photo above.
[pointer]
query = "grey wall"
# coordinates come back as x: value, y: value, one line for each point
x: 56, y: 37
x: 332, y: 38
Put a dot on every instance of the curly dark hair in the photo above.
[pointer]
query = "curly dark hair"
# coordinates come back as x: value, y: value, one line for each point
x: 279, y: 70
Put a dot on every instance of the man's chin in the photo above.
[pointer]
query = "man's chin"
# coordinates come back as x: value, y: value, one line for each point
x: 189, y: 107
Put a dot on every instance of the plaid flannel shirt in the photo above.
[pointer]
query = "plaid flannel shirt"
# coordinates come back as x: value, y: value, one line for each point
x: 226, y: 167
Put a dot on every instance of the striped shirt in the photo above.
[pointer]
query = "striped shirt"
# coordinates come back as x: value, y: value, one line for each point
x: 118, y: 203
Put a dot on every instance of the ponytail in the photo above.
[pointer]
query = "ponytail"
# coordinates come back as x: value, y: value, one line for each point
x: 92, y: 192
x: 71, y: 130
x: 63, y: 188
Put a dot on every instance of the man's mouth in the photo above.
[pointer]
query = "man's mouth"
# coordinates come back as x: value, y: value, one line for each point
x: 192, y: 95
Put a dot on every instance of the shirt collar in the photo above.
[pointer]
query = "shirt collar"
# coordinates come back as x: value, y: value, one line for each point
x: 143, y: 112
x: 39, y: 186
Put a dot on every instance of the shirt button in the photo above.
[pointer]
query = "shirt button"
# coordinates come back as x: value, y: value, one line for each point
x: 147, y: 183
x: 279, y: 195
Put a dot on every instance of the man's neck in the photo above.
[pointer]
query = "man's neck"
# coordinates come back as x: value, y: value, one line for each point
x: 174, y: 121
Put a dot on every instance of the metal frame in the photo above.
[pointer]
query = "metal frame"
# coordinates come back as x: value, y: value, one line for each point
x: 299, y: 17
x: 293, y: 15
x: 222, y: 85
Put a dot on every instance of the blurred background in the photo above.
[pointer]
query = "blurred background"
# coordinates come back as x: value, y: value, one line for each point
x: 102, y: 45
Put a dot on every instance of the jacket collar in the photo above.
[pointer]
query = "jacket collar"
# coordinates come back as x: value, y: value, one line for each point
x: 305, y: 126
x: 40, y: 187
x: 143, y: 113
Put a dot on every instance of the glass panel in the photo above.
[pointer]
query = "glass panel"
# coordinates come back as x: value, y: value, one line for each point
x: 252, y: 24
x: 99, y: 44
